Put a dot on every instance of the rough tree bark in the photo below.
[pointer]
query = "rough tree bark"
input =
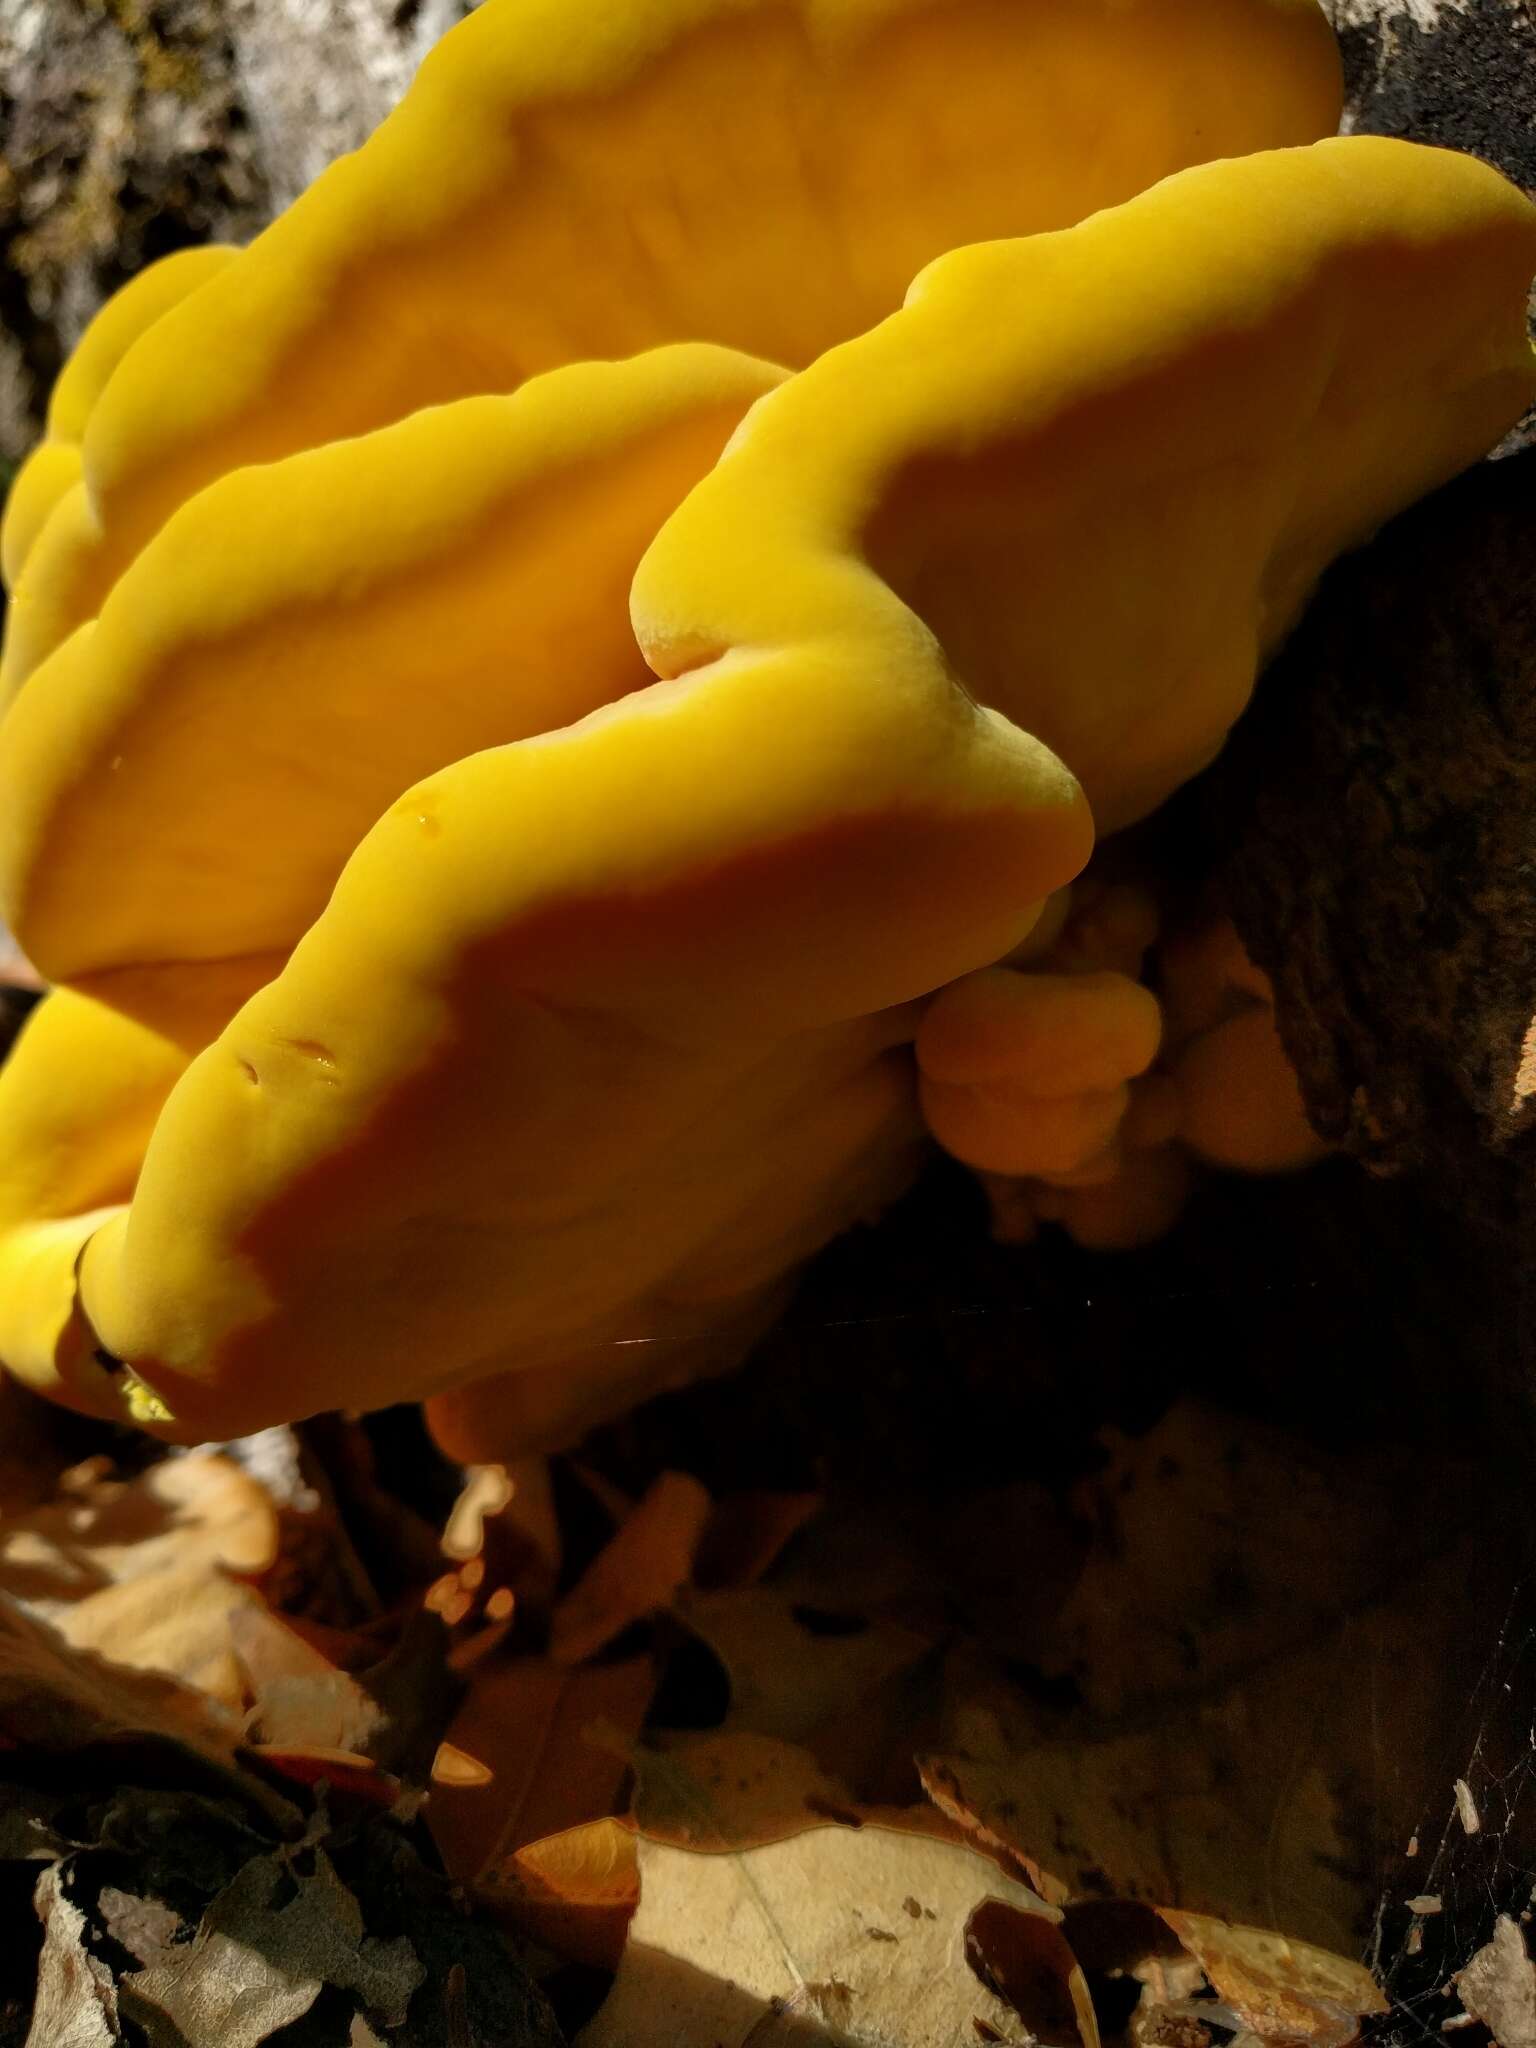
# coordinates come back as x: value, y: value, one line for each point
x: 1375, y: 816
x: 1379, y: 809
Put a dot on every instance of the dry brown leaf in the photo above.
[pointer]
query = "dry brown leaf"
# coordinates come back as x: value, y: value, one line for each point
x: 1223, y: 1543
x: 747, y: 1534
x: 649, y: 1558
x: 456, y: 1767
x: 217, y: 1988
x: 144, y: 1571
x: 146, y: 1927
x: 201, y: 1507
x: 794, y: 1667
x: 1282, y: 1990
x: 54, y: 1698
x: 348, y: 1649
x: 526, y: 1724
x: 733, y: 1790
x: 852, y: 1933
x: 841, y: 1652
x: 1157, y: 1815
x: 180, y: 1623
x: 299, y: 1698
x: 257, y: 1936
x: 311, y: 1721
x: 981, y: 1541
x: 256, y: 1965
x: 1219, y: 1728
x: 617, y: 1502
x: 1498, y: 1987
x: 1028, y: 1962
x: 417, y: 1692
x: 351, y: 1780
x: 574, y: 1893
x: 76, y: 2001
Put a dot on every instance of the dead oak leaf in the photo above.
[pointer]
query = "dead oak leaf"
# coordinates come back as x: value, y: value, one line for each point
x: 730, y: 1790
x: 201, y: 1509
x: 55, y: 1699
x: 520, y: 1763
x: 854, y: 1934
x: 748, y: 1533
x: 145, y: 1926
x: 267, y: 1946
x: 733, y: 1790
x: 146, y: 1571
x: 1234, y: 1785
x: 1028, y: 1961
x: 792, y: 1666
x: 1282, y: 1990
x: 573, y: 1893
x: 1221, y: 1542
x: 644, y: 1565
x: 1159, y: 1815
x: 75, y: 2004
x: 298, y: 1695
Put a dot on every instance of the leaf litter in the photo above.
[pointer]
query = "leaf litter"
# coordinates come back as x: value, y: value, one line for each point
x: 748, y: 1769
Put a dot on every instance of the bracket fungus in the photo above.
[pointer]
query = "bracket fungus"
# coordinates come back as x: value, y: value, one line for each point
x: 554, y: 702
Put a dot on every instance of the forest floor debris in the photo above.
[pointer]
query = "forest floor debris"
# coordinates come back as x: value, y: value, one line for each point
x: 299, y: 1749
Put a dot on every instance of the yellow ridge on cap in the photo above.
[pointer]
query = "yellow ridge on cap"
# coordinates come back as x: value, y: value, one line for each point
x: 1094, y: 475
x: 186, y: 777
x: 563, y: 182
x: 55, y: 465
x: 79, y: 1094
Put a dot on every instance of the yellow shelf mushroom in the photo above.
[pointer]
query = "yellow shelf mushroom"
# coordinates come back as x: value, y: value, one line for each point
x: 1222, y: 1092
x: 55, y: 466
x: 572, y: 179
x: 550, y: 662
